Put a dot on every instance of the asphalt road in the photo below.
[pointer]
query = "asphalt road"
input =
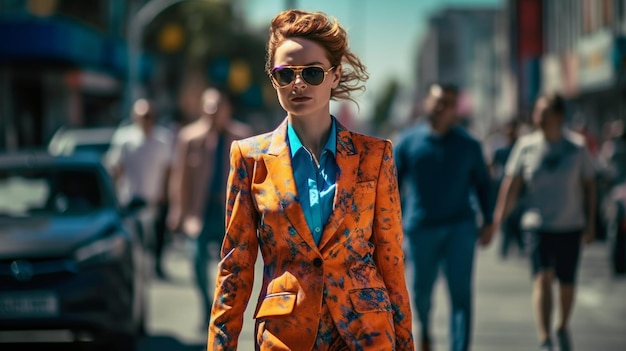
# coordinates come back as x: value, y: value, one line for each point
x: 503, y: 317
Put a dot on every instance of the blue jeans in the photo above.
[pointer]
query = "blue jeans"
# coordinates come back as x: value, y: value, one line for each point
x: 204, y: 249
x: 450, y: 247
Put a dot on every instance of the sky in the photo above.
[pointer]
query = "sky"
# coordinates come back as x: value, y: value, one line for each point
x: 383, y: 33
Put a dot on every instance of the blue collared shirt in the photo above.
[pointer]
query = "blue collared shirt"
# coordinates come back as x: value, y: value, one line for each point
x: 443, y: 177
x: 315, y: 184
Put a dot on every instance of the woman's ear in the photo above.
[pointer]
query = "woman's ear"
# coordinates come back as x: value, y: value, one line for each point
x: 336, y: 76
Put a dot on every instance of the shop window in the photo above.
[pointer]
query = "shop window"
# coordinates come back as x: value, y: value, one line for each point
x: 27, y: 93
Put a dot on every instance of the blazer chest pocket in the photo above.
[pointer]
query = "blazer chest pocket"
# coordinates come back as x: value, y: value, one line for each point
x: 370, y: 300
x: 277, y: 304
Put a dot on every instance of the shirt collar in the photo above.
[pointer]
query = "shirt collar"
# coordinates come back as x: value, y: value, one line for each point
x: 429, y: 131
x: 295, y: 144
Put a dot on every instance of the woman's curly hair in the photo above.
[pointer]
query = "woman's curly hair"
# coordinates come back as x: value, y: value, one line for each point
x: 317, y: 27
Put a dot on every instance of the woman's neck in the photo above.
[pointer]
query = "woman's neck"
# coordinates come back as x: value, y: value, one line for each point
x: 313, y: 131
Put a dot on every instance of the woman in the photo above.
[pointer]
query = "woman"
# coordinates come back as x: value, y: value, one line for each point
x: 555, y: 169
x: 321, y: 203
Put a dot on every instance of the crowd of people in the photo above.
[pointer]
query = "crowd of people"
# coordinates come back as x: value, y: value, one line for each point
x: 330, y: 208
x: 179, y: 178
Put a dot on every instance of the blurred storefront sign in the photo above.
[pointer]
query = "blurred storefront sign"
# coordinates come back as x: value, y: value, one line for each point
x: 530, y: 80
x: 42, y: 7
x: 171, y: 38
x: 552, y: 77
x: 570, y: 74
x: 55, y: 71
x: 600, y: 57
x: 595, y: 78
x: 529, y: 31
x: 559, y: 73
x: 93, y: 82
x: 239, y: 77
x: 530, y: 47
x: 59, y: 40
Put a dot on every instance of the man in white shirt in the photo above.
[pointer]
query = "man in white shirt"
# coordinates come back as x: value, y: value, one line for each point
x: 554, y: 167
x: 139, y: 160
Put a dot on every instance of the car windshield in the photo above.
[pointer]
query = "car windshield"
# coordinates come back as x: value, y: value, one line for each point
x: 30, y: 192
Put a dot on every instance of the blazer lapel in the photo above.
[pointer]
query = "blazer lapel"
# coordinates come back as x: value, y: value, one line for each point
x: 278, y: 163
x: 347, y: 165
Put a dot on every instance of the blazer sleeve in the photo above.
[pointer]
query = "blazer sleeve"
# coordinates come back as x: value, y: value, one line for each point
x: 389, y: 254
x: 235, y: 276
x: 398, y: 150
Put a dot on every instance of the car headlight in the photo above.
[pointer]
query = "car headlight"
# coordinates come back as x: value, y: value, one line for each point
x: 102, y: 250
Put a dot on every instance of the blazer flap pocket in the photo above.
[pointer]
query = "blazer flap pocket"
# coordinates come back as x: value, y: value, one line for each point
x: 370, y: 300
x: 278, y: 304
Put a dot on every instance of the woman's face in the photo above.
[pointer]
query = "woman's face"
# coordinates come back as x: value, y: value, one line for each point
x: 299, y: 97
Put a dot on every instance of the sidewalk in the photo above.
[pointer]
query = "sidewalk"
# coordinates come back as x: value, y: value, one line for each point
x: 175, y: 303
x: 503, y: 317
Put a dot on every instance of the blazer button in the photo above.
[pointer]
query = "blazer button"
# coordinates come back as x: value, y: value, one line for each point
x: 317, y: 262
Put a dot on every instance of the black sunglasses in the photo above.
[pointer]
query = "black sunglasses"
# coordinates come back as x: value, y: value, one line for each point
x: 285, y: 75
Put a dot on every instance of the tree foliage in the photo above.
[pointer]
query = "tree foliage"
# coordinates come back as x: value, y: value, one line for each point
x: 383, y: 107
x: 215, y: 41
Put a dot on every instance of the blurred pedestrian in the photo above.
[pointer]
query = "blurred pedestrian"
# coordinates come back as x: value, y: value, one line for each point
x: 321, y: 203
x: 580, y: 125
x: 442, y: 171
x: 197, y: 184
x: 555, y: 168
x: 613, y: 152
x: 510, y: 228
x: 140, y: 159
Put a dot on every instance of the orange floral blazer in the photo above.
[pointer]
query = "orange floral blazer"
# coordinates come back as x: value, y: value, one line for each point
x: 357, y: 268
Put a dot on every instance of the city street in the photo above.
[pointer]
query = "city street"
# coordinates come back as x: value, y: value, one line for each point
x: 503, y: 317
x: 118, y: 120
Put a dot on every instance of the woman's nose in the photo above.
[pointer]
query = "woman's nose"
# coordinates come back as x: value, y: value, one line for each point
x: 299, y: 82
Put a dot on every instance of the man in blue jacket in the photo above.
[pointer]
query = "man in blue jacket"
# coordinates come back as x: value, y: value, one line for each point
x: 441, y: 171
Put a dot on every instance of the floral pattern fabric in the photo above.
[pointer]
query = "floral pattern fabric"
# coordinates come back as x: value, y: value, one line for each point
x: 356, y: 273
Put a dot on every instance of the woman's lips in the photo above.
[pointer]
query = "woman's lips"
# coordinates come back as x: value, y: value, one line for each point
x: 300, y: 99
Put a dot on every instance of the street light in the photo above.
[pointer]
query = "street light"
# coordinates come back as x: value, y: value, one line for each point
x: 138, y: 23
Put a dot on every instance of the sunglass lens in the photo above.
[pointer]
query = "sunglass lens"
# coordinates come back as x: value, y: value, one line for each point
x: 313, y: 75
x: 284, y: 76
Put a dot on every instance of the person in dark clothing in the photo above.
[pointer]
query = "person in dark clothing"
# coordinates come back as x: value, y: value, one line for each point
x: 441, y: 170
x: 510, y: 229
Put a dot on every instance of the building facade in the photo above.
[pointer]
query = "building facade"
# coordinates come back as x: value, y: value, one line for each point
x: 576, y: 48
x: 462, y: 46
x: 62, y: 63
